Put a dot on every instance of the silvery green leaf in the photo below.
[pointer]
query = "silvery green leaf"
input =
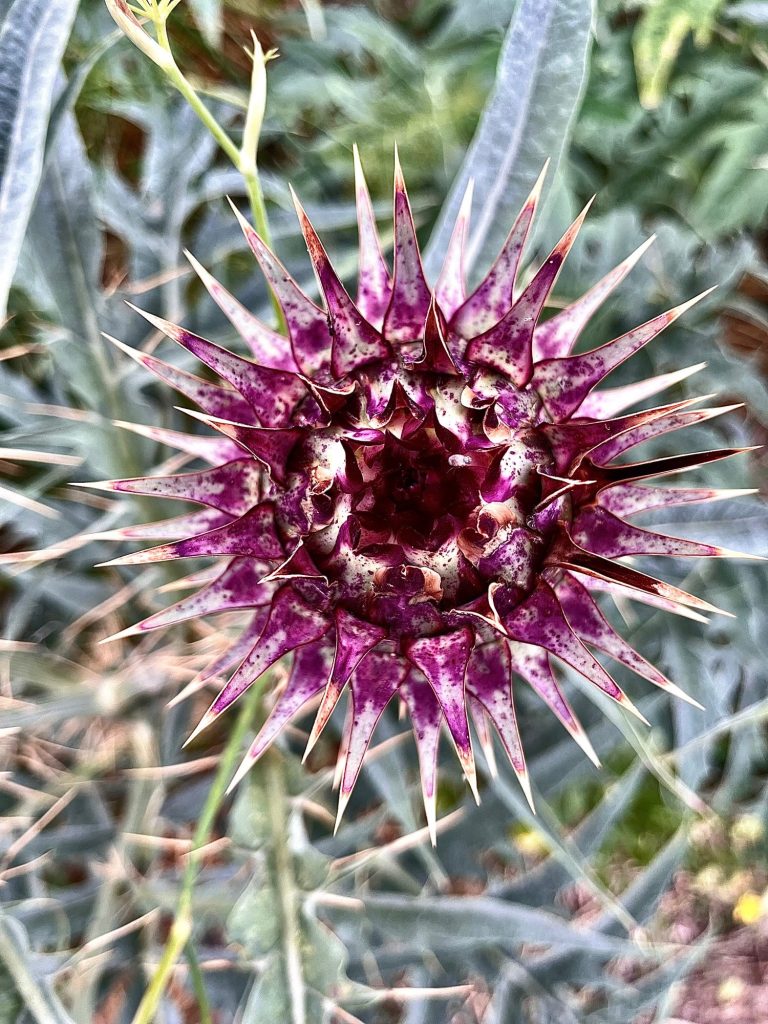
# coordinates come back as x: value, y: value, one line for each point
x: 32, y: 40
x: 448, y: 921
x: 208, y: 15
x: 36, y: 992
x: 753, y: 13
x: 526, y: 121
x: 254, y: 922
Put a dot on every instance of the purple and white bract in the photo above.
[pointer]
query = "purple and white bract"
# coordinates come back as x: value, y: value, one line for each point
x: 417, y: 493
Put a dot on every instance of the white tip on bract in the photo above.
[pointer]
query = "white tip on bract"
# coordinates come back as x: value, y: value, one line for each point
x: 430, y: 810
x: 625, y: 702
x: 675, y: 691
x: 342, y: 806
x: 208, y: 718
x: 243, y: 768
x: 524, y: 778
x: 123, y: 634
x: 579, y: 734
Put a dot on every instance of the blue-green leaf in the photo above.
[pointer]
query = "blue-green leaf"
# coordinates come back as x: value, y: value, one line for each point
x: 527, y: 119
x: 208, y: 16
x: 32, y: 40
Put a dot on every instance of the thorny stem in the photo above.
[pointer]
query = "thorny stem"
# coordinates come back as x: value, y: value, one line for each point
x: 181, y: 929
x: 277, y: 810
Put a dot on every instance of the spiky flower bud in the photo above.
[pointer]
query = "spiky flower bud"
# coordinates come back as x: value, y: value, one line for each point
x: 416, y: 493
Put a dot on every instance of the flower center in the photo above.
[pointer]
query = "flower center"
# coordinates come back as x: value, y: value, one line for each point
x: 416, y: 491
x: 417, y: 517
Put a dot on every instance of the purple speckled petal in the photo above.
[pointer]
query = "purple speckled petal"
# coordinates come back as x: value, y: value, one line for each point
x: 630, y: 499
x: 620, y: 593
x: 532, y: 664
x: 577, y: 559
x: 232, y: 487
x: 596, y: 529
x: 450, y: 290
x: 213, y: 450
x: 602, y: 405
x: 253, y: 534
x: 374, y: 285
x: 426, y: 718
x: 436, y: 356
x: 574, y: 439
x: 374, y: 683
x: 308, y: 673
x: 655, y: 428
x: 540, y: 620
x: 267, y: 346
x: 211, y: 398
x: 298, y: 565
x: 589, y: 623
x: 443, y: 660
x: 446, y: 393
x: 564, y: 383
x: 411, y: 295
x: 628, y: 471
x: 291, y: 623
x: 507, y: 346
x: 354, y: 342
x: 484, y: 734
x: 354, y: 640
x: 271, y: 394
x: 230, y: 657
x: 307, y: 323
x: 199, y: 521
x: 557, y: 336
x: 495, y: 293
x: 378, y: 386
x: 238, y: 587
x: 489, y: 680
x: 272, y: 446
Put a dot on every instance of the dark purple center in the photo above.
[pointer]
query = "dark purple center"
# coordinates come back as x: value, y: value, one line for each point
x: 417, y: 517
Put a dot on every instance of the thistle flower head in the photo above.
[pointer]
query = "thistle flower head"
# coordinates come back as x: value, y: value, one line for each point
x: 417, y: 493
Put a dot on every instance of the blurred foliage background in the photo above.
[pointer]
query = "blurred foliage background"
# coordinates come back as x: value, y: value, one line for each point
x: 638, y: 892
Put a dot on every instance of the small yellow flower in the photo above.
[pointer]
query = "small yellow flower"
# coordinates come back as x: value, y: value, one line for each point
x: 531, y: 843
x: 749, y: 908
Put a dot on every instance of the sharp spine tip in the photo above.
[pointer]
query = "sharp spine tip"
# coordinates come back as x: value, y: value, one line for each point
x: 342, y: 806
x: 122, y: 634
x: 239, y: 775
x: 204, y: 722
x: 524, y: 778
x: 625, y: 702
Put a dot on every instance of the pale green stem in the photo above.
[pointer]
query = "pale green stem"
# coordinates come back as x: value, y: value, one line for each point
x: 181, y: 930
x: 287, y: 890
x: 182, y: 924
x: 249, y: 172
x: 198, y: 984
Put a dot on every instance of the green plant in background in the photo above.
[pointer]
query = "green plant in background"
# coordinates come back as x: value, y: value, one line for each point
x: 111, y: 869
x: 659, y: 35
